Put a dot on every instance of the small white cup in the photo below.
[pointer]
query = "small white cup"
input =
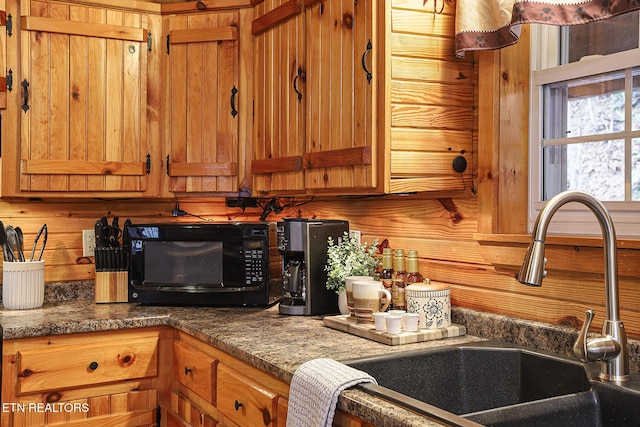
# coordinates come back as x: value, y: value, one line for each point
x: 380, y: 319
x: 398, y: 313
x: 411, y: 321
x: 394, y: 323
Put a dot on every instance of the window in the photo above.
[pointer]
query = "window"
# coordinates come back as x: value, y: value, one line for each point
x: 585, y: 132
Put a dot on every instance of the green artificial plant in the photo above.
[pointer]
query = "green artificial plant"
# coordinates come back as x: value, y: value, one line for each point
x: 349, y: 258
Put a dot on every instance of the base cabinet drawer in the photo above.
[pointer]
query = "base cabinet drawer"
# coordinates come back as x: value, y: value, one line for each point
x: 43, y: 369
x: 195, y: 370
x: 244, y: 401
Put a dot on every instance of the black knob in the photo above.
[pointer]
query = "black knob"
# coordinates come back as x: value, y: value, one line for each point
x: 93, y: 366
x: 237, y: 405
x: 186, y: 370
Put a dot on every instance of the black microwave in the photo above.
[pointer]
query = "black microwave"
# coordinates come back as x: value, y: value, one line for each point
x: 208, y: 264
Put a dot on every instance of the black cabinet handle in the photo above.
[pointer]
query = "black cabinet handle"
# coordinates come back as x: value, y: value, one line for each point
x: 187, y: 370
x: 93, y: 366
x: 364, y: 61
x: 234, y: 92
x: 237, y: 405
x: 295, y: 83
x: 25, y: 94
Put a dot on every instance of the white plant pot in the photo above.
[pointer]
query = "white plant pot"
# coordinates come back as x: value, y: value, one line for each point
x: 342, y: 303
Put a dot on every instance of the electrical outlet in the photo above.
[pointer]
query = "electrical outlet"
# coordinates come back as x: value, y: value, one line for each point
x: 357, y: 234
x: 88, y: 243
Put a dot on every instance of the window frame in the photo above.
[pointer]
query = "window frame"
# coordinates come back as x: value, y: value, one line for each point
x: 573, y: 218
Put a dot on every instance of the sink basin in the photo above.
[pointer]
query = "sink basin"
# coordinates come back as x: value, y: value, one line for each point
x: 499, y: 385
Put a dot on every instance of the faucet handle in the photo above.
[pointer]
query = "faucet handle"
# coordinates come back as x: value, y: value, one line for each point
x: 580, y: 346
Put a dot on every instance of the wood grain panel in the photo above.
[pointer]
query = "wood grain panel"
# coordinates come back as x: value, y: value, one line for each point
x: 406, y: 163
x: 81, y: 167
x: 421, y: 21
x: 338, y: 157
x: 277, y: 16
x: 282, y: 164
x: 444, y: 140
x: 431, y: 117
x: 210, y: 5
x: 228, y: 33
x: 429, y: 184
x: 434, y: 70
x: 429, y: 8
x: 61, y: 26
x: 417, y: 92
x: 417, y: 46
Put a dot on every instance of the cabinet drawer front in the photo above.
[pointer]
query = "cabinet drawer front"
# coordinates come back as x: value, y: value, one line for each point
x: 195, y: 370
x: 244, y: 401
x: 93, y: 363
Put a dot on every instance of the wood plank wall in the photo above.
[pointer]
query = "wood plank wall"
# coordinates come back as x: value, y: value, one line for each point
x: 443, y: 230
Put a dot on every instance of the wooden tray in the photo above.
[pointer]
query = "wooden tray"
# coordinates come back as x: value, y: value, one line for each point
x: 345, y: 324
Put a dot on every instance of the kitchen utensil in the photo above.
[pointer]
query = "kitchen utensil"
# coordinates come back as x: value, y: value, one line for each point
x: 101, y: 242
x: 20, y: 238
x: 43, y: 230
x: 3, y: 242
x: 12, y: 242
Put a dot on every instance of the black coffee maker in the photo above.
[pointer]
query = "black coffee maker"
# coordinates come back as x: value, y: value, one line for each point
x: 303, y: 245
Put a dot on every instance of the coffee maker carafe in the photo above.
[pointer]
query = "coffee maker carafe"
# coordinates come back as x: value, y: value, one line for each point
x: 303, y: 245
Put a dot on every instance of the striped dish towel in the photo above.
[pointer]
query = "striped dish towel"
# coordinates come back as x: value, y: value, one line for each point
x: 315, y: 388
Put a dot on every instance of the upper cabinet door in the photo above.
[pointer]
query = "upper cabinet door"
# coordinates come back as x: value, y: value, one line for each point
x: 341, y: 148
x: 280, y: 92
x: 3, y: 55
x: 204, y: 102
x: 82, y: 100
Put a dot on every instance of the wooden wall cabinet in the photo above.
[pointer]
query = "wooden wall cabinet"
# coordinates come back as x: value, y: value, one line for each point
x: 208, y: 100
x: 384, y: 106
x: 313, y: 97
x: 98, y: 378
x: 6, y: 27
x: 76, y: 121
x: 135, y: 100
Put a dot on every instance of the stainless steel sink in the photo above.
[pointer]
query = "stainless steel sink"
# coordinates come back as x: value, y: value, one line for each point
x: 498, y: 384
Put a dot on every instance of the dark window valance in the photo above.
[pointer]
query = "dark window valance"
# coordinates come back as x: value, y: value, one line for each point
x: 492, y: 24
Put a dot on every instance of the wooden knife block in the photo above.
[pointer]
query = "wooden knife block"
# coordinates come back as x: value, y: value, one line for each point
x: 111, y: 286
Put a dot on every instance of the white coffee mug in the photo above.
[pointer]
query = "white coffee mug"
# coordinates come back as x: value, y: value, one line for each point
x: 348, y: 286
x: 367, y: 299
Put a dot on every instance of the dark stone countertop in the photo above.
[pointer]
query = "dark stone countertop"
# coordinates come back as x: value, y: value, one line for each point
x: 278, y: 344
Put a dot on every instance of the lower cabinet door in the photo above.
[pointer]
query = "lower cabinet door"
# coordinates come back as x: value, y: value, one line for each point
x: 132, y: 409
x: 183, y: 413
x: 244, y: 401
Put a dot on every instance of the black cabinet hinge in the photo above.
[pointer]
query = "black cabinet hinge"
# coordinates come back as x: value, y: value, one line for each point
x: 9, y: 79
x: 148, y: 163
x: 149, y: 41
x: 168, y: 43
x: 9, y: 25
